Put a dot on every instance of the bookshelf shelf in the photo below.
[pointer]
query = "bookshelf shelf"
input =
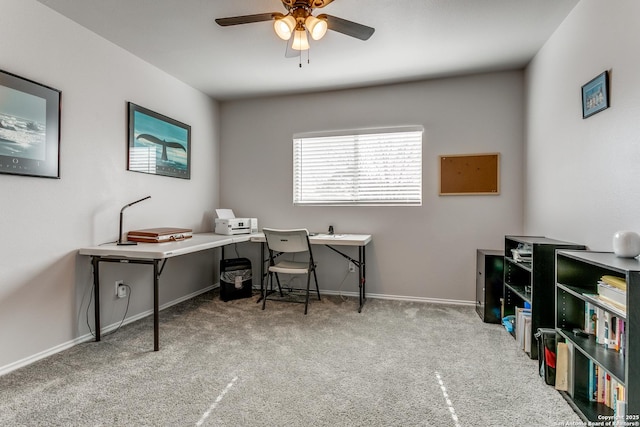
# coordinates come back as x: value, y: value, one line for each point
x: 520, y: 291
x: 532, y: 282
x: 577, y: 276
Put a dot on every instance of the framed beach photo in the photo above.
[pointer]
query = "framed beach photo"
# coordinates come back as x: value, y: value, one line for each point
x: 158, y: 144
x: 29, y: 127
x: 595, y: 95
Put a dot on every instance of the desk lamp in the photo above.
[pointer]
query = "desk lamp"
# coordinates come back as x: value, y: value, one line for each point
x: 127, y: 243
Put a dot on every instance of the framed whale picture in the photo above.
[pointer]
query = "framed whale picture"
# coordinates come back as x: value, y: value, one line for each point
x: 29, y: 127
x: 158, y: 144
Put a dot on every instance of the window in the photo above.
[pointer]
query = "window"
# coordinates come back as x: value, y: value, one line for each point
x: 370, y: 167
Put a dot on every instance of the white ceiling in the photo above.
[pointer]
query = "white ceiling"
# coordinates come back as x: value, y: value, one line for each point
x: 414, y: 39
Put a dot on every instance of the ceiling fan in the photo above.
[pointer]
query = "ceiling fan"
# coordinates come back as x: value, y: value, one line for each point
x: 299, y: 20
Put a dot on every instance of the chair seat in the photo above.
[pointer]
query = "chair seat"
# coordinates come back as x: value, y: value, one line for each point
x: 290, y: 267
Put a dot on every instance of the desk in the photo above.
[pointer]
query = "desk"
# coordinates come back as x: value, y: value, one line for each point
x: 151, y: 254
x: 331, y: 240
x: 157, y: 254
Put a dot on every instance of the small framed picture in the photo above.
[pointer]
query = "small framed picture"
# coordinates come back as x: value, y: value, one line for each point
x: 595, y: 95
x: 158, y: 144
x: 29, y: 127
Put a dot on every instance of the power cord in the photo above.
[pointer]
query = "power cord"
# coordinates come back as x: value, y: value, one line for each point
x: 342, y: 297
x: 123, y: 317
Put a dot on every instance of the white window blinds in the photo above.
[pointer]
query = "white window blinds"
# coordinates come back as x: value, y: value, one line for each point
x: 382, y: 168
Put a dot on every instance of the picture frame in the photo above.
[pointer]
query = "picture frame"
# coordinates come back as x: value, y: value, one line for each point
x: 158, y: 144
x: 595, y: 95
x: 29, y: 127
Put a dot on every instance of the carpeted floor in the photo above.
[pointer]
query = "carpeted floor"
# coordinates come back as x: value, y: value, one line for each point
x: 232, y: 364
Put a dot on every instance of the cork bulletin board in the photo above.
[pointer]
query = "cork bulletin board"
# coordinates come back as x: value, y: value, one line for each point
x: 470, y: 174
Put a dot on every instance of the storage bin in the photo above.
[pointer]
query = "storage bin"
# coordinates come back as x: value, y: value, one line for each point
x: 546, y: 338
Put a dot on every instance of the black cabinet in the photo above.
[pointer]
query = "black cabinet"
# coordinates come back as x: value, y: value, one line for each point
x: 489, y: 284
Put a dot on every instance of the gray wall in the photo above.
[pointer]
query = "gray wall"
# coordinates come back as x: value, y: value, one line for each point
x: 582, y: 174
x: 425, y: 252
x: 44, y: 285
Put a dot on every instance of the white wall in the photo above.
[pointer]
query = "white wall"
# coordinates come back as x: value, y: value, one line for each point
x: 582, y: 174
x: 426, y: 252
x: 44, y: 285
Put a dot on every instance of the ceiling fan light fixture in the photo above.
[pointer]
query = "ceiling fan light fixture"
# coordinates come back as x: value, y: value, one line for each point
x: 300, y: 41
x: 317, y: 27
x: 284, y: 27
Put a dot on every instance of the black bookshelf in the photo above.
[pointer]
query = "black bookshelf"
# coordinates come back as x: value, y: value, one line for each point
x: 489, y: 285
x: 532, y: 282
x: 577, y: 275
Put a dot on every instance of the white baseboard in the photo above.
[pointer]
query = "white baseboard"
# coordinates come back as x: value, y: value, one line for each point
x: 90, y: 337
x: 402, y: 298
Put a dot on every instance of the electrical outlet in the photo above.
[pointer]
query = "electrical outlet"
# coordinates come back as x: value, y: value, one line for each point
x: 118, y: 284
x: 122, y: 291
x: 352, y: 267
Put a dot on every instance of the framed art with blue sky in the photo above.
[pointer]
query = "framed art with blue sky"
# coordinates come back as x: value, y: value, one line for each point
x: 158, y: 144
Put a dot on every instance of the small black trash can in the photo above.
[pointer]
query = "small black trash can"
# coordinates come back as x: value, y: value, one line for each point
x: 547, y: 354
x: 235, y: 279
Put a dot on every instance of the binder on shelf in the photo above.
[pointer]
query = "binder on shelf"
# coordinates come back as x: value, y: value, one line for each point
x: 159, y: 234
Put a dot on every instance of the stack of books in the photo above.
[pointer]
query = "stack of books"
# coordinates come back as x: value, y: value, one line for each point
x: 608, y: 327
x: 605, y: 389
x: 613, y: 290
x: 522, y: 254
x: 523, y: 328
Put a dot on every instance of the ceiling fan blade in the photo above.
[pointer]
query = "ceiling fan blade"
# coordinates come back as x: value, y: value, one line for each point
x: 247, y: 19
x: 349, y: 28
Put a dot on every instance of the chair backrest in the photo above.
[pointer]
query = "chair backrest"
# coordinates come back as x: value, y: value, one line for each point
x: 296, y: 240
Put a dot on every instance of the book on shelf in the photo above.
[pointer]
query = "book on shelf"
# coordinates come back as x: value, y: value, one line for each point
x: 522, y: 322
x: 590, y: 318
x: 562, y: 367
x: 592, y: 390
x: 619, y: 406
x: 527, y: 333
x: 608, y: 328
x: 616, y: 282
x: 603, y: 388
x: 613, y: 295
x: 607, y: 303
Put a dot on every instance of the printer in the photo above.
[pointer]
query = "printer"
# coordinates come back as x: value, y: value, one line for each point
x: 228, y: 224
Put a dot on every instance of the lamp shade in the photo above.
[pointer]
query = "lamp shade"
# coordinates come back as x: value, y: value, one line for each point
x: 317, y: 27
x: 284, y: 27
x: 300, y: 41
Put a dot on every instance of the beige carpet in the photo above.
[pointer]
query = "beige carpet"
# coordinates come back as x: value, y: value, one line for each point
x: 232, y: 364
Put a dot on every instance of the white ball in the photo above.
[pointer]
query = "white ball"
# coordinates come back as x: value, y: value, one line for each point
x: 626, y: 244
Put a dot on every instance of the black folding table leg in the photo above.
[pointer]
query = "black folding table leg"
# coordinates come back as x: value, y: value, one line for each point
x: 156, y: 309
x: 362, y: 273
x: 96, y: 292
